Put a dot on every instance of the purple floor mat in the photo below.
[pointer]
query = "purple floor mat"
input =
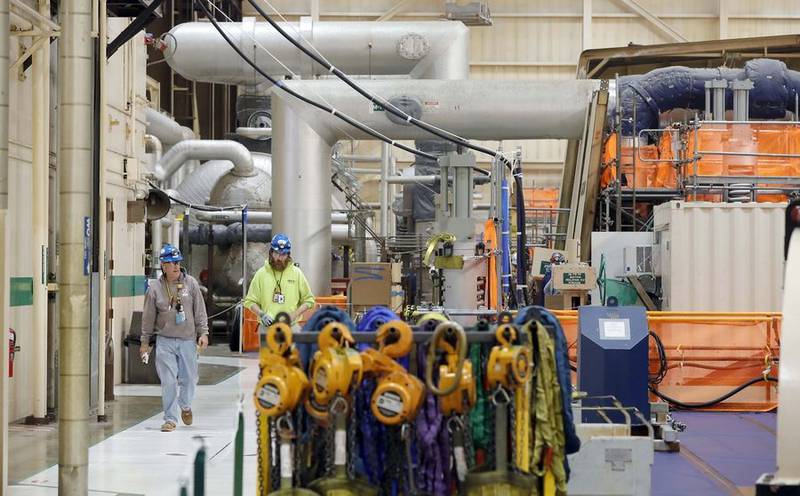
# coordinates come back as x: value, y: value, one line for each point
x: 739, y: 447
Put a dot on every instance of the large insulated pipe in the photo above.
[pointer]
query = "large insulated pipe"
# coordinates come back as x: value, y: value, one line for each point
x: 429, y: 50
x: 4, y: 274
x: 253, y: 217
x: 186, y: 150
x: 774, y: 90
x: 75, y: 179
x: 489, y: 110
x: 40, y: 165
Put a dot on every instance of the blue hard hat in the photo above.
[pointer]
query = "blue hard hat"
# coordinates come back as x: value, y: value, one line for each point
x: 170, y: 253
x: 281, y: 244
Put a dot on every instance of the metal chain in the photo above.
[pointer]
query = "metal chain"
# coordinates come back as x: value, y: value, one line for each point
x: 491, y: 417
x: 512, y: 431
x: 352, y: 442
x: 274, y: 459
x: 469, y: 448
x: 329, y: 437
x: 260, y: 455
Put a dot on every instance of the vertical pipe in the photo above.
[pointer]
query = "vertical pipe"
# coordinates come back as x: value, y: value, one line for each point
x: 102, y: 215
x: 40, y: 198
x: 75, y: 179
x: 304, y: 174
x: 386, y: 158
x: 4, y: 299
x: 244, y: 275
x: 156, y: 233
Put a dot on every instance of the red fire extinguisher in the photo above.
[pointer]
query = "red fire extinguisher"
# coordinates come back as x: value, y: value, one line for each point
x: 12, y: 349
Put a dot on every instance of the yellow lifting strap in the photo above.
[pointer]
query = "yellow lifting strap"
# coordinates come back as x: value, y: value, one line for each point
x: 434, y: 241
x: 548, y: 450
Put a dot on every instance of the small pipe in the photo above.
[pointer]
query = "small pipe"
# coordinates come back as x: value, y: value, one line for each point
x: 256, y: 133
x: 358, y: 158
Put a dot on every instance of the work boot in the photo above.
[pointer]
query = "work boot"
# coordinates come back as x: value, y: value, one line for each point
x: 168, y: 426
x: 186, y: 416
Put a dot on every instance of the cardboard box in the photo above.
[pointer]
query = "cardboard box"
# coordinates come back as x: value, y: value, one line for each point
x: 574, y: 277
x: 375, y: 284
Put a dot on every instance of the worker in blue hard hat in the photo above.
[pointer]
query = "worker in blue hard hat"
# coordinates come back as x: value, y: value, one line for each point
x: 175, y: 311
x: 279, y: 286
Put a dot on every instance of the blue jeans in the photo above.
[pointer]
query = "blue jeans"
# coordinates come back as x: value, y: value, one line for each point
x: 176, y: 364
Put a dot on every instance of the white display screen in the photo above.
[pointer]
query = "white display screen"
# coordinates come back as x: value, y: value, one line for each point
x: 615, y: 329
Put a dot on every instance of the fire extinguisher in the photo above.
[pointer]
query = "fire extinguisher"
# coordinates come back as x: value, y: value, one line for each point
x: 12, y: 349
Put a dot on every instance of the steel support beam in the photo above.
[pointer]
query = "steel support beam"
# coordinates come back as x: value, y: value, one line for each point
x: 636, y: 8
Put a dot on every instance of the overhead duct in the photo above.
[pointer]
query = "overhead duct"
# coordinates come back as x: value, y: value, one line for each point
x: 661, y: 90
x: 186, y: 150
x: 428, y: 50
x: 488, y: 110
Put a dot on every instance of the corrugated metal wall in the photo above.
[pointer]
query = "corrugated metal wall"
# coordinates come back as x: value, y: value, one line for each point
x: 721, y: 257
x: 541, y: 39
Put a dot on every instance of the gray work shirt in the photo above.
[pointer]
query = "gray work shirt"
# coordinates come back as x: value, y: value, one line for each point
x: 159, y: 309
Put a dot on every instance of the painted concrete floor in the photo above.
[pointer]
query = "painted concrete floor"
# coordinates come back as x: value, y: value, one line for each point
x: 143, y: 460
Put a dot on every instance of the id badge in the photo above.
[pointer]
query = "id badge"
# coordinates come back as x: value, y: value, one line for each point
x: 180, y: 317
x: 278, y: 298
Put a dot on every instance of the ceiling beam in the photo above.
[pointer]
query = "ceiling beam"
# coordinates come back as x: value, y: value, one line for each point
x: 394, y: 10
x: 636, y: 8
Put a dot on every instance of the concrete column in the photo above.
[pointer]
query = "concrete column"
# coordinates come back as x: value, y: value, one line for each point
x: 75, y: 210
x: 4, y: 298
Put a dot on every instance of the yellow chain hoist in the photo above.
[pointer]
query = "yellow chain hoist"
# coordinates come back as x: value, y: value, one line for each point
x: 336, y: 369
x: 508, y: 376
x: 398, y: 394
x: 456, y: 388
x: 283, y: 382
x: 509, y: 363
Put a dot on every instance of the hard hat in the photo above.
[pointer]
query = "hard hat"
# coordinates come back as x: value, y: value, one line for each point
x: 281, y: 244
x: 170, y: 253
x: 557, y: 258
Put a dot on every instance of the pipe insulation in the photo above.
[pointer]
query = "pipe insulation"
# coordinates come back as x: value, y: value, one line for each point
x: 75, y: 65
x: 165, y: 128
x: 489, y: 110
x: 227, y: 235
x: 187, y: 150
x: 430, y: 50
x: 661, y: 90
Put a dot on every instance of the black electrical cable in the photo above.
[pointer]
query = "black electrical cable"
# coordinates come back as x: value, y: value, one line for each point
x: 309, y: 101
x: 373, y: 98
x: 715, y: 401
x: 662, y: 360
x: 201, y: 208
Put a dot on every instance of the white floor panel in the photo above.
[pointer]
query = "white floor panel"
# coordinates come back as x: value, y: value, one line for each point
x: 144, y: 460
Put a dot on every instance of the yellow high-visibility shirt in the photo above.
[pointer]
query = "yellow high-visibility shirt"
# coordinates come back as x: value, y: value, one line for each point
x: 291, y: 283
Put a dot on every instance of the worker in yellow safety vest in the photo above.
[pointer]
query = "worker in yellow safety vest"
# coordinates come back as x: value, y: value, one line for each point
x: 279, y: 286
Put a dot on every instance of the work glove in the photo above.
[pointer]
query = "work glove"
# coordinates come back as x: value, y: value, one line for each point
x: 264, y: 319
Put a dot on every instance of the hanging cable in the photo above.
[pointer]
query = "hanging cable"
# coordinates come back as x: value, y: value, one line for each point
x: 373, y: 98
x: 715, y: 401
x: 280, y: 84
x: 202, y: 208
x: 662, y: 361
